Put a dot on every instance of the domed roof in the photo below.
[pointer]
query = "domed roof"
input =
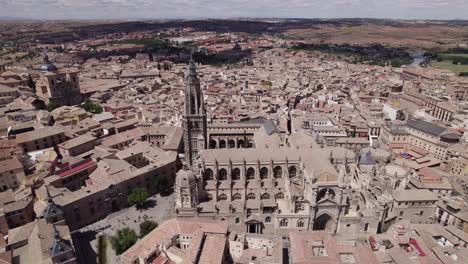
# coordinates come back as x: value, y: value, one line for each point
x: 450, y: 137
x: 47, y: 65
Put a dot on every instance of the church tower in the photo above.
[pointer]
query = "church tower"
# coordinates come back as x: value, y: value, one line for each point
x: 194, y: 118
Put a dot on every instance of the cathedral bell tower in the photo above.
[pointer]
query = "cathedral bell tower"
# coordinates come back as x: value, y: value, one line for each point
x: 194, y: 117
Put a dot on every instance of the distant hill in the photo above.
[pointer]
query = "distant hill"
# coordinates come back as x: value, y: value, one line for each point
x: 15, y: 18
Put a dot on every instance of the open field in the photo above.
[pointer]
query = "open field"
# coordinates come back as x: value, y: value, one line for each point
x: 14, y: 54
x: 411, y: 34
x: 450, y: 56
x: 447, y: 64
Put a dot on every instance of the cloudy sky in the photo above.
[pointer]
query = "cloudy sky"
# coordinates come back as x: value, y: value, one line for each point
x: 154, y: 9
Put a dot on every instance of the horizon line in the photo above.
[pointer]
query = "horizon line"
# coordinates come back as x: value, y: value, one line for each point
x: 7, y: 18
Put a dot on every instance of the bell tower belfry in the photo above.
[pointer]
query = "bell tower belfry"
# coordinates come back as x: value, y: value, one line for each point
x: 194, y: 117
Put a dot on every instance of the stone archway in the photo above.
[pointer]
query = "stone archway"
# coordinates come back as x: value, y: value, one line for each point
x: 324, y: 222
x: 232, y: 143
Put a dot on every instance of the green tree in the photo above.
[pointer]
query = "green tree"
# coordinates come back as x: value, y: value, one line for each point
x: 52, y: 105
x: 123, y: 240
x: 91, y: 107
x: 137, y: 196
x: 146, y: 227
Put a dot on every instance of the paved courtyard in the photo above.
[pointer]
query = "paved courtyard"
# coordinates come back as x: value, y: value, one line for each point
x: 85, y: 239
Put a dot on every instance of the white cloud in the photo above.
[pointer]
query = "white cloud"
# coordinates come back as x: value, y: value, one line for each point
x: 58, y: 9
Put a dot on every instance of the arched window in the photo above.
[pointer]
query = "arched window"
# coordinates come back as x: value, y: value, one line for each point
x: 267, y: 219
x: 283, y: 222
x: 300, y: 223
x: 265, y: 196
x: 236, y: 196
x: 250, y: 173
x: 222, y: 174
x: 208, y: 174
x: 237, y: 220
x: 279, y: 195
x: 263, y: 173
x: 222, y: 197
x: 240, y: 143
x: 250, y: 196
x: 222, y: 143
x: 213, y: 144
x: 292, y: 172
x: 235, y: 174
x: 278, y: 172
x: 232, y: 143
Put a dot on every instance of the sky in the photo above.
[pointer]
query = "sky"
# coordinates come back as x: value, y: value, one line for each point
x: 166, y: 9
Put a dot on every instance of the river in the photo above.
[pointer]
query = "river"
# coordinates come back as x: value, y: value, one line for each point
x: 418, y: 58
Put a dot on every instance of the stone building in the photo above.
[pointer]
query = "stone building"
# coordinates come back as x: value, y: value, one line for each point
x: 91, y: 196
x: 11, y: 174
x: 42, y: 138
x: 421, y: 137
x: 182, y: 241
x: 47, y: 239
x: 60, y: 87
x: 415, y: 206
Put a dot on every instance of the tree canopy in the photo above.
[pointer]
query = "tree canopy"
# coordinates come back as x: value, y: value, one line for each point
x: 123, y: 240
x: 91, y: 107
x: 137, y: 196
x: 52, y: 105
x: 146, y: 227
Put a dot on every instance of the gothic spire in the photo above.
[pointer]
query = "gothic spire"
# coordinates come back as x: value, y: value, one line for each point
x: 58, y: 246
x: 192, y: 72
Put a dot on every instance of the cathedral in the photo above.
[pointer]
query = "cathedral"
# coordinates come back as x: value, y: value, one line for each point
x: 259, y: 181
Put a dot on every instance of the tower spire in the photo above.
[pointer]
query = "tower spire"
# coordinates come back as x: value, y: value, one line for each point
x: 194, y: 119
x: 192, y: 71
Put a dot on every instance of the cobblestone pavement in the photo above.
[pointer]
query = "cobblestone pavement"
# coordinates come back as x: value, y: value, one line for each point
x: 85, y: 239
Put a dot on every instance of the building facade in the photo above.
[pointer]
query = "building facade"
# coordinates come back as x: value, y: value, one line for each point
x: 265, y: 190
